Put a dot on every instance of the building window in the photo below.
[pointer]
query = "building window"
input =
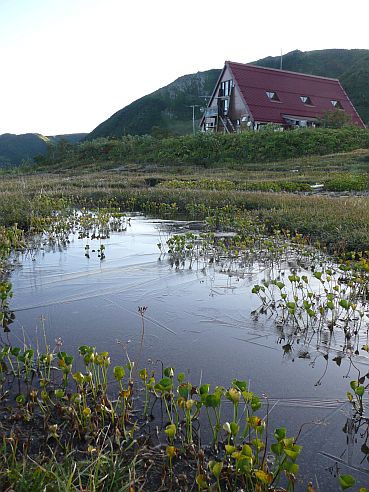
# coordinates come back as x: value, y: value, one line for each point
x: 272, y: 96
x: 209, y: 124
x: 336, y: 104
x: 306, y: 100
x: 224, y: 96
x: 226, y: 87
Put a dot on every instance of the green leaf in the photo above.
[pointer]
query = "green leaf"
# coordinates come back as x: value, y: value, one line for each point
x: 346, y: 481
x: 20, y: 399
x: 360, y: 390
x: 185, y: 390
x: 293, y: 451
x: 119, y: 372
x: 277, y: 448
x: 291, y: 467
x: 201, y: 482
x: 212, y: 401
x: 143, y: 374
x: 353, y: 385
x: 345, y: 304
x: 180, y: 377
x: 246, y: 450
x: 229, y: 449
x: 204, y: 389
x: 241, y: 385
x: 216, y: 468
x: 235, y: 428
x: 166, y: 383
x: 258, y: 444
x: 170, y: 430
x: 255, y: 403
x: 243, y: 464
x: 59, y: 393
x: 280, y: 433
x: 68, y: 359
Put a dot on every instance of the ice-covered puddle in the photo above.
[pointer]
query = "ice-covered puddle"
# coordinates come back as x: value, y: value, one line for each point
x: 204, y: 321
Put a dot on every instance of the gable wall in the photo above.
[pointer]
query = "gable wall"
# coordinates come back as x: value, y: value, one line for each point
x: 237, y: 107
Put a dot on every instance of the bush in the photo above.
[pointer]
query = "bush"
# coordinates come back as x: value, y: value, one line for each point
x: 208, y: 149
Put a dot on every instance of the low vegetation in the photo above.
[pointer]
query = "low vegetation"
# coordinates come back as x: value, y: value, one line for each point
x: 87, y: 435
x: 337, y: 219
x: 210, y: 149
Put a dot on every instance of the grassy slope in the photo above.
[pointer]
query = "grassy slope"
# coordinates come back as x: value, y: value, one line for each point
x: 168, y: 107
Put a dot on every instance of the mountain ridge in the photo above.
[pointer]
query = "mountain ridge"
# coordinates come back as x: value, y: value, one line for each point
x: 167, y: 111
x: 17, y: 149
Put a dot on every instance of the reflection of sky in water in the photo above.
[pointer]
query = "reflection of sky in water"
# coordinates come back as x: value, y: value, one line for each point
x: 198, y: 321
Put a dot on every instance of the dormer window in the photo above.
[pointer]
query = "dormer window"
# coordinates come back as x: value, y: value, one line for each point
x: 336, y: 104
x: 272, y: 96
x: 306, y: 100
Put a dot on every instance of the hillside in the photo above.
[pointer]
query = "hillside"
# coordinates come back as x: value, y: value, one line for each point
x: 355, y: 81
x: 15, y: 149
x: 167, y: 108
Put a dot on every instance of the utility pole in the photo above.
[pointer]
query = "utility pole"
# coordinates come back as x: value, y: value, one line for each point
x: 281, y: 63
x: 193, y: 106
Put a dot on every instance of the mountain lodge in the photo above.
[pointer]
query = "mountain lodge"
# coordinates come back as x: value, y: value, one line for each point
x: 248, y: 97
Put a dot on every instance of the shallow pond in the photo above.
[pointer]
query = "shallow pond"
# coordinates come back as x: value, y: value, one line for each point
x: 199, y: 321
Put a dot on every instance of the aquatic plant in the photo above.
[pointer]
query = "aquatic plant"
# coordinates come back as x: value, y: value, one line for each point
x: 82, y: 413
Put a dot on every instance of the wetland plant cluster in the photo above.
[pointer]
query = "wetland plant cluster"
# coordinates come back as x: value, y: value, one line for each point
x: 11, y: 239
x: 310, y: 294
x: 92, y: 429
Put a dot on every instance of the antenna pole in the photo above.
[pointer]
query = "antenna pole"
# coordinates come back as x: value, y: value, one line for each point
x: 193, y: 106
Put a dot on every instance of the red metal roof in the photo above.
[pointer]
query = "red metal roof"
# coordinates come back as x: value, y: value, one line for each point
x: 253, y: 83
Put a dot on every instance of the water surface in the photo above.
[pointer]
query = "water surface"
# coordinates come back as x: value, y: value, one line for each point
x: 199, y: 321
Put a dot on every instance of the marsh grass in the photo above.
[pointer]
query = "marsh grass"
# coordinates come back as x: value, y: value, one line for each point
x: 276, y: 193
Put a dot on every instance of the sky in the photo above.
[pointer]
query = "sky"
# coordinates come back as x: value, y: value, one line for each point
x: 67, y: 65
